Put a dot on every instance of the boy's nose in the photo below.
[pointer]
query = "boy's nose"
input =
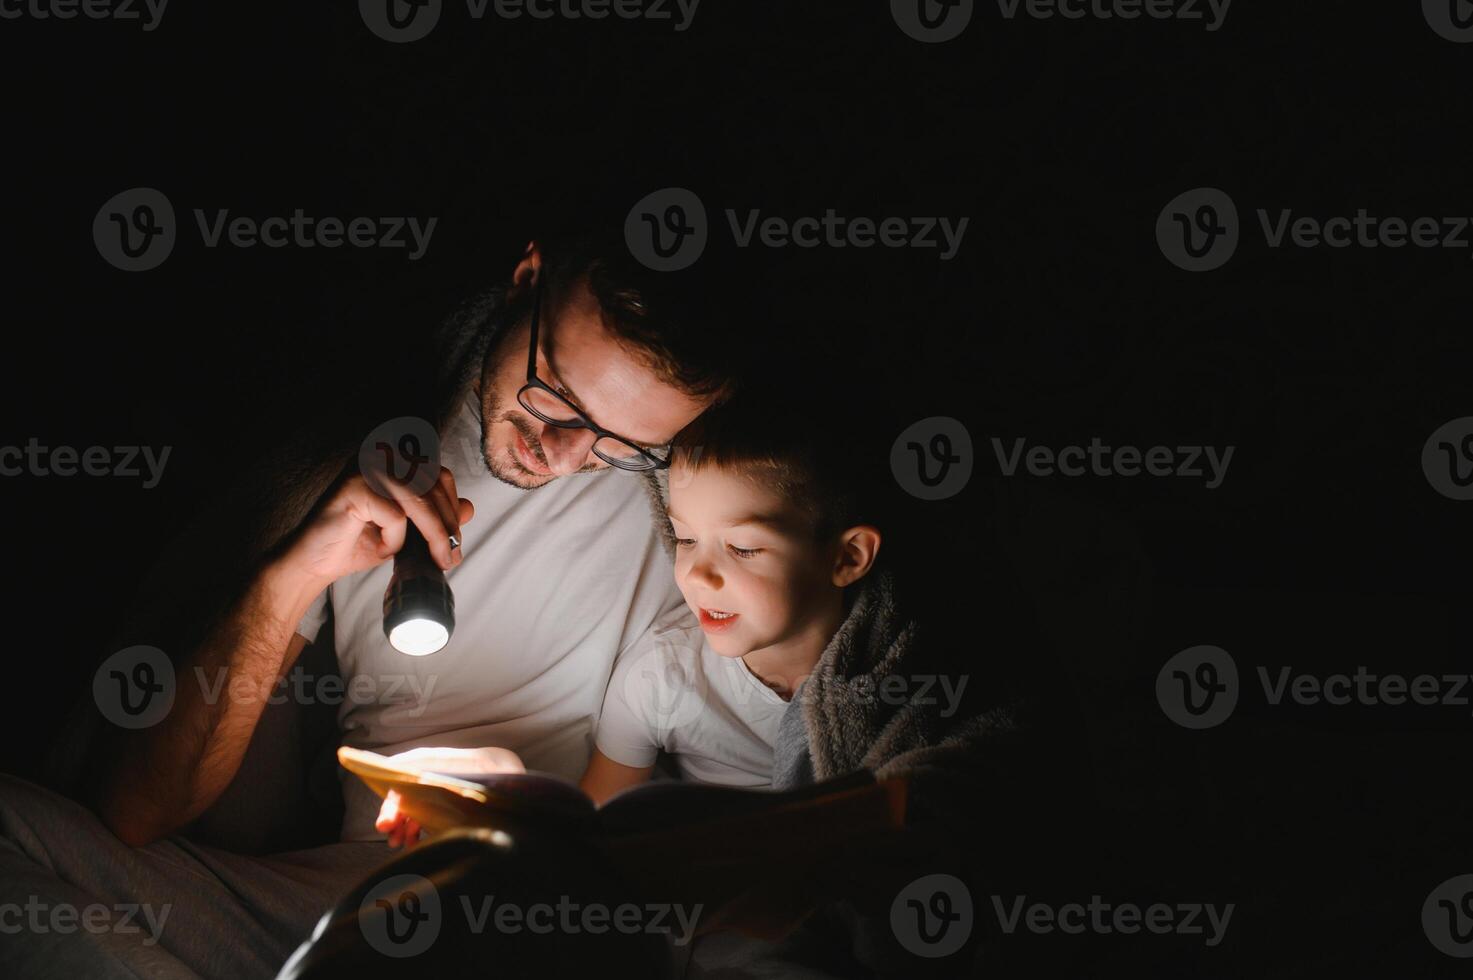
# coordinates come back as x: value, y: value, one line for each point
x: 703, y: 573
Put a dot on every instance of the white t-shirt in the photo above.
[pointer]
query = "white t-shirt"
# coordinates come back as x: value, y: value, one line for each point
x: 710, y: 712
x: 555, y: 583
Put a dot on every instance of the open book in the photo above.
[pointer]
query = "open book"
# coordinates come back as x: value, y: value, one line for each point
x: 729, y: 848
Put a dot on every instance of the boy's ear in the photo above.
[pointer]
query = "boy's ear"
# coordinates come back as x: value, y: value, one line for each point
x: 858, y: 548
x: 529, y: 268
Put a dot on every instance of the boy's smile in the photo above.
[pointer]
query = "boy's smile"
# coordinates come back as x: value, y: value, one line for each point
x: 716, y: 620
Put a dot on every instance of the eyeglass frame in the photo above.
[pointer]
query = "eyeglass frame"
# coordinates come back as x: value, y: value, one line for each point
x: 580, y: 419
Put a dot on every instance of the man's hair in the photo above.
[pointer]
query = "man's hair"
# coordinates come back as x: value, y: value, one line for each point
x: 673, y: 322
x: 772, y: 437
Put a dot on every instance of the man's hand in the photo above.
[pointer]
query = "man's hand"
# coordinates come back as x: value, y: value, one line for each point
x: 405, y: 830
x: 358, y: 528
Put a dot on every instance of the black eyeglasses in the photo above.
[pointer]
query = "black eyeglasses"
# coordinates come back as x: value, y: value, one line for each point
x: 537, y: 397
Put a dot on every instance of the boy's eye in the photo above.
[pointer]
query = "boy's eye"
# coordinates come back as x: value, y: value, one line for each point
x: 742, y: 552
x: 684, y: 542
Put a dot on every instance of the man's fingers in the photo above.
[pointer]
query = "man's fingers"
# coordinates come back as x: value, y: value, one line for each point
x: 449, y: 510
x: 464, y: 509
x: 426, y: 516
x: 387, y: 515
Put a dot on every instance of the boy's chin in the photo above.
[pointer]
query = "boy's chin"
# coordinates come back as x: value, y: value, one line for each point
x: 728, y: 646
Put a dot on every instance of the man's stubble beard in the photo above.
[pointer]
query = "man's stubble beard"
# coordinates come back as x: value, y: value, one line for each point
x: 496, y: 407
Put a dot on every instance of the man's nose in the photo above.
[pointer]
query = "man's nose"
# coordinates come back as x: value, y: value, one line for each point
x: 566, y: 449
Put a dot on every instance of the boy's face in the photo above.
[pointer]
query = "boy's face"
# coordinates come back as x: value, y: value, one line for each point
x: 746, y: 560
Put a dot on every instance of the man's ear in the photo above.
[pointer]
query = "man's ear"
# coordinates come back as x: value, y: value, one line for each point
x: 528, y: 269
x: 858, y: 548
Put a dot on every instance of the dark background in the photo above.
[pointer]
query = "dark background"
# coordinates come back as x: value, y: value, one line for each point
x: 1324, y: 549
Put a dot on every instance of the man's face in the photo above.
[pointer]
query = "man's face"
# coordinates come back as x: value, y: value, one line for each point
x: 586, y: 363
x: 746, y: 560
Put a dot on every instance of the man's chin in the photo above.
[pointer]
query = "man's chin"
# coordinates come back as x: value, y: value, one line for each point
x: 510, y: 471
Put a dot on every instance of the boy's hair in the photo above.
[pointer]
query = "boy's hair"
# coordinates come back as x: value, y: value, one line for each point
x: 769, y: 436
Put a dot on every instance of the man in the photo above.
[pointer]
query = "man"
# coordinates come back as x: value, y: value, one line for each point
x: 558, y: 386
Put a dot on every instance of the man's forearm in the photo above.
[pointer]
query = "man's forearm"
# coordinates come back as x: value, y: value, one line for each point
x: 154, y: 781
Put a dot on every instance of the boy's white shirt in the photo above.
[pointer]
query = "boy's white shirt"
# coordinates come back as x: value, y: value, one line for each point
x: 673, y: 692
x: 555, y: 583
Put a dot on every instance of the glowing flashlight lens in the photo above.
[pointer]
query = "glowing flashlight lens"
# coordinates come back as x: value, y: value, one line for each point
x: 419, y: 637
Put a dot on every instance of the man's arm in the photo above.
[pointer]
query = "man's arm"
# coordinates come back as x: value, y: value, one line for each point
x: 159, y: 779
x: 156, y: 780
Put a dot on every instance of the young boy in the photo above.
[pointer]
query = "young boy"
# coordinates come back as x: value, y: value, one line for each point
x: 768, y: 541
